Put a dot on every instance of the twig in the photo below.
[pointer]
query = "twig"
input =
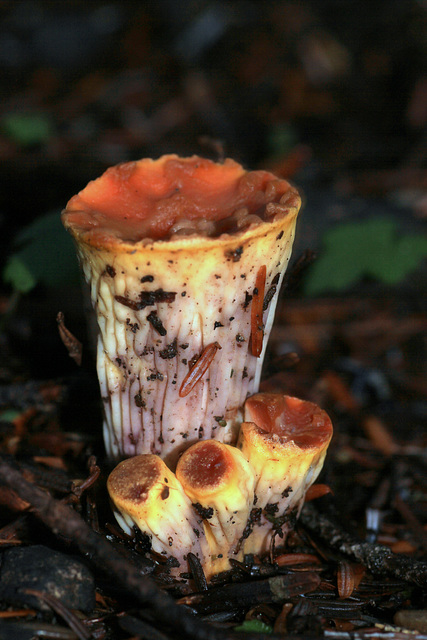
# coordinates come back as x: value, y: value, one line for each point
x: 73, y: 346
x: 248, y: 594
x: 197, y: 570
x: 94, y: 473
x: 377, y: 558
x: 138, y: 628
x: 64, y: 521
x: 70, y: 618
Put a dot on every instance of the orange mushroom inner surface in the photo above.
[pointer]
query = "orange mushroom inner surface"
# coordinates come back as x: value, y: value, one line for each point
x: 205, y: 466
x: 290, y: 419
x: 145, y: 199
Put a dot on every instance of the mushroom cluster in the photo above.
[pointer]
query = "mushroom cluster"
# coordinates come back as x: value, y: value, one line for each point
x: 226, y: 501
x: 185, y: 258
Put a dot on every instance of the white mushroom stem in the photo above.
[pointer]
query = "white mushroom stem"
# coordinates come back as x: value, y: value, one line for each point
x: 166, y: 302
x: 220, y: 483
x: 146, y: 494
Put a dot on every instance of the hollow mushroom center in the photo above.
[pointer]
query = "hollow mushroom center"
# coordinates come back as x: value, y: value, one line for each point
x: 158, y: 199
x: 208, y: 468
x: 289, y: 419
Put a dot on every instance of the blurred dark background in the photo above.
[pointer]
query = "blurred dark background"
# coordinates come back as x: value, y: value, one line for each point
x: 331, y: 95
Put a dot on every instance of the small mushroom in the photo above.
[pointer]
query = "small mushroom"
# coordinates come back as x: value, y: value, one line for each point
x: 284, y: 440
x: 220, y: 483
x: 145, y: 493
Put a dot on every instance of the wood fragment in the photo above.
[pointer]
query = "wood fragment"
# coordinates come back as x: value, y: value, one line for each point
x: 94, y: 472
x: 140, y: 629
x: 317, y: 491
x: 73, y: 346
x: 380, y: 436
x: 345, y: 579
x: 337, y: 608
x: 292, y: 559
x: 57, y: 606
x: 340, y: 392
x: 11, y: 500
x: 17, y: 629
x: 377, y: 558
x: 197, y: 572
x: 359, y: 572
x: 10, y: 532
x: 280, y: 622
x: 257, y: 326
x: 56, y: 462
x: 18, y: 613
x: 402, y: 546
x: 248, y: 594
x: 199, y: 369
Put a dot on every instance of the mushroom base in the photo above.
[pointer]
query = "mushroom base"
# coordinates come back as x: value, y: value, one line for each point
x: 235, y: 500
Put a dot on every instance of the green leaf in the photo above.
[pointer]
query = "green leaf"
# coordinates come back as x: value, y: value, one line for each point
x: 9, y: 415
x: 27, y: 128
x: 17, y: 274
x: 254, y: 626
x: 281, y: 139
x: 371, y: 248
x: 44, y: 254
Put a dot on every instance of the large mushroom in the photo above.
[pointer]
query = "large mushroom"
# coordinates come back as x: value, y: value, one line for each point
x: 184, y: 258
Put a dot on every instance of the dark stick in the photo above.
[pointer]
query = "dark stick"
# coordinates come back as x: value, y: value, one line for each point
x: 139, y: 628
x: 64, y: 521
x: 376, y: 557
x: 71, y: 343
x: 249, y: 594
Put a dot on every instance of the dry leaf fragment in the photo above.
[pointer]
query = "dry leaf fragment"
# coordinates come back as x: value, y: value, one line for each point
x: 380, y: 436
x: 345, y: 579
x: 317, y: 491
x: 73, y: 346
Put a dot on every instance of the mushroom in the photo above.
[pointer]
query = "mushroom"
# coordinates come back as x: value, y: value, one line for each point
x: 184, y: 258
x: 145, y: 493
x: 284, y: 440
x: 220, y: 483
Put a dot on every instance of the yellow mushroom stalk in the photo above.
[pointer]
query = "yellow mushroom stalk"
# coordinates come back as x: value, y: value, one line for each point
x: 220, y: 483
x: 146, y: 494
x: 284, y: 440
x: 184, y: 258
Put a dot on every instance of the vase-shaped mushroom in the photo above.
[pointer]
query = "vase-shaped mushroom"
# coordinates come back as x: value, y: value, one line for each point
x: 184, y: 258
